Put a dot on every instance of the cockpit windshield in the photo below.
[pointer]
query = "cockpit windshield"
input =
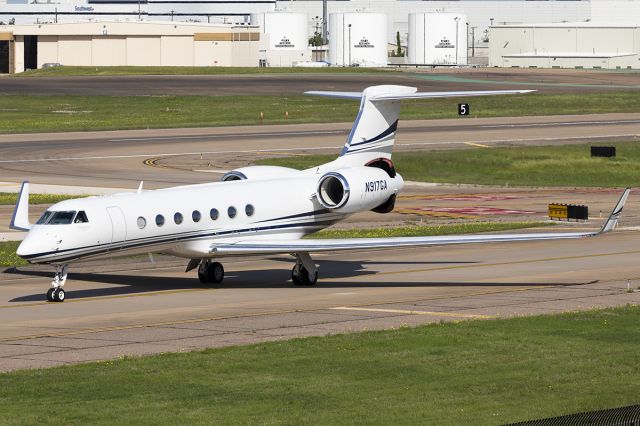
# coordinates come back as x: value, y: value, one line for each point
x: 44, y: 218
x: 61, y: 218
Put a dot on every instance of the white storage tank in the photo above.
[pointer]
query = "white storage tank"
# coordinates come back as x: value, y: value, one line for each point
x: 437, y: 38
x: 284, y: 38
x: 358, y: 39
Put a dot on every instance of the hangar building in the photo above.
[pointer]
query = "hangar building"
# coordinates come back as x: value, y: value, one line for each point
x: 566, y: 45
x: 127, y: 43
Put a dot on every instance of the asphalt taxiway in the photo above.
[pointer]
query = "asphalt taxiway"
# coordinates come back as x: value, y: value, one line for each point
x: 292, y: 83
x: 169, y: 157
x: 134, y: 308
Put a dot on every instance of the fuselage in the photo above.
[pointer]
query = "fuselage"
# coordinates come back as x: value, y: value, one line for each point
x: 185, y: 221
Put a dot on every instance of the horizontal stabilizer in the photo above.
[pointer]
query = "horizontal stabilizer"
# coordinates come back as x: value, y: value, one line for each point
x: 394, y: 95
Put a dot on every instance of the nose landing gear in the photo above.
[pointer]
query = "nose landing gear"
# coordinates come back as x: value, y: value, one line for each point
x: 56, y: 293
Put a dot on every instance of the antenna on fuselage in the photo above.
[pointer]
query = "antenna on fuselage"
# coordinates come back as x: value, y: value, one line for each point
x: 140, y: 187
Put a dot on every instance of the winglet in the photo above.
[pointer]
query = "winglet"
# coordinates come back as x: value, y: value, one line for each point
x: 612, y: 221
x: 20, y: 218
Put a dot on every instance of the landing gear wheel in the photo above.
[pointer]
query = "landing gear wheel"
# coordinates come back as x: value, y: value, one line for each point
x: 58, y: 295
x: 211, y: 273
x: 308, y: 279
x: 295, y: 277
x: 303, y: 277
x: 216, y: 272
x: 50, y: 295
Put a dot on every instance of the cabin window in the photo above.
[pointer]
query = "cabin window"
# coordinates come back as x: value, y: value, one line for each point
x: 196, y: 216
x: 61, y: 218
x: 159, y: 220
x: 177, y: 218
x: 214, y: 214
x: 81, y: 217
x: 142, y: 222
x: 249, y: 210
x: 44, y: 218
x: 231, y: 211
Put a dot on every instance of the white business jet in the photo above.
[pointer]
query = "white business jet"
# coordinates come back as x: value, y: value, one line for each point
x: 253, y: 210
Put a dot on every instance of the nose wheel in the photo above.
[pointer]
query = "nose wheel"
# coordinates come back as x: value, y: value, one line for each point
x: 56, y: 293
x: 210, y: 272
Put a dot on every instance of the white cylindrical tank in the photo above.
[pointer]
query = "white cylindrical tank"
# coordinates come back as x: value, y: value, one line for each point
x: 437, y: 38
x: 358, y: 39
x: 284, y: 39
x: 284, y: 31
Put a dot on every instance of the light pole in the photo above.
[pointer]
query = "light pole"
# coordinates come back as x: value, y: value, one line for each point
x: 456, y: 19
x: 324, y: 21
x: 349, y: 44
x: 138, y: 10
x: 473, y: 42
x: 467, y: 44
x: 172, y: 11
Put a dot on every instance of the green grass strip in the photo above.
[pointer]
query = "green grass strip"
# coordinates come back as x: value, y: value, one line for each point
x: 560, y: 165
x: 8, y: 256
x: 429, y: 230
x: 471, y: 372
x: 11, y: 198
x: 64, y: 71
x: 77, y: 113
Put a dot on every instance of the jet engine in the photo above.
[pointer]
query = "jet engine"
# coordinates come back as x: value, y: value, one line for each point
x: 257, y: 173
x: 356, y: 189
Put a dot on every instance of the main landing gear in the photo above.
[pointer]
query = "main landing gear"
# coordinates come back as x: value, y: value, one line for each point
x: 210, y: 272
x: 56, y: 293
x: 305, y: 271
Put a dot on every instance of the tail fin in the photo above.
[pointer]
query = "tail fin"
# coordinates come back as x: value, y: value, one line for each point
x: 373, y: 133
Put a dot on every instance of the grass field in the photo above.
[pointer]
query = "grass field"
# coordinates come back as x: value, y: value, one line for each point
x: 467, y: 373
x: 10, y: 198
x: 75, y: 113
x: 8, y: 256
x: 561, y: 165
x: 80, y: 71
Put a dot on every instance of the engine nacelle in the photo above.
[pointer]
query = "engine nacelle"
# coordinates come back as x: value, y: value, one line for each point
x: 257, y: 173
x: 357, y: 189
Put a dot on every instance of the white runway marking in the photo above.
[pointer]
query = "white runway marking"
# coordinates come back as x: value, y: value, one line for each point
x: 408, y: 312
x: 318, y: 148
x: 231, y: 135
x: 567, y: 123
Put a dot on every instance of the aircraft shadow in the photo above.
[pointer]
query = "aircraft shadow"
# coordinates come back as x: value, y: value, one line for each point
x: 344, y: 271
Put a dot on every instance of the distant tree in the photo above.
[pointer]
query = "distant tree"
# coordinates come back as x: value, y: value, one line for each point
x: 399, y: 47
x: 316, y: 40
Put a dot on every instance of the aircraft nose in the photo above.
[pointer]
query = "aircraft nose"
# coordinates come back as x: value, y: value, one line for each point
x: 26, y: 248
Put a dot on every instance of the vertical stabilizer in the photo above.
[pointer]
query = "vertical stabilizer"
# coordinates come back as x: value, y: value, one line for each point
x: 374, y: 131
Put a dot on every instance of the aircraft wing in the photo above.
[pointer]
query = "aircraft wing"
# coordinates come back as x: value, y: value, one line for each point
x: 323, y: 245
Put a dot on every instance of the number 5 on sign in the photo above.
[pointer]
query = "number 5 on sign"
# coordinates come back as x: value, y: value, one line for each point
x: 463, y: 109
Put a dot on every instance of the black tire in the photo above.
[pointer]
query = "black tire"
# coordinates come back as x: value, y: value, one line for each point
x: 215, y: 273
x: 59, y: 295
x: 50, y: 295
x: 202, y: 276
x: 294, y: 277
x: 307, y: 279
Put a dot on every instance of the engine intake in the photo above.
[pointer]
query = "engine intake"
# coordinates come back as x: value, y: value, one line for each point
x: 333, y: 190
x: 356, y: 189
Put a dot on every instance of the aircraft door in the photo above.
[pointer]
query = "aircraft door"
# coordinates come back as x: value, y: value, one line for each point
x: 118, y: 224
